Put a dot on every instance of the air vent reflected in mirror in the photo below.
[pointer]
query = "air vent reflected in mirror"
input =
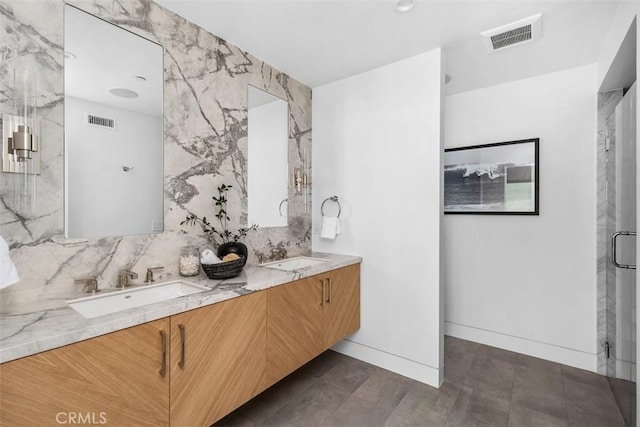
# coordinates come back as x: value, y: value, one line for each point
x: 103, y: 122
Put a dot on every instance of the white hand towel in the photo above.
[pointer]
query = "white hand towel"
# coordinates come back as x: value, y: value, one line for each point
x: 208, y: 257
x: 8, y: 273
x: 330, y: 227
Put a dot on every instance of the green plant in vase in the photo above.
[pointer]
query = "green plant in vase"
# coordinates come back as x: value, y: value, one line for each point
x: 227, y: 240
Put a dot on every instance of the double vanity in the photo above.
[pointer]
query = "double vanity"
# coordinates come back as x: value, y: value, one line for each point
x: 188, y: 351
x: 186, y: 360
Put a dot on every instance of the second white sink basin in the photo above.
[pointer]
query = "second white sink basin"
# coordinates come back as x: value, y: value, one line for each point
x: 99, y: 305
x: 292, y: 264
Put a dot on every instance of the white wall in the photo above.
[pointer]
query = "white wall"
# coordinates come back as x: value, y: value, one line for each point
x: 119, y: 202
x: 625, y: 14
x: 528, y: 283
x: 377, y: 146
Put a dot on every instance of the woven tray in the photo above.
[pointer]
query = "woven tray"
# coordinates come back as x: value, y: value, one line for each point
x: 224, y: 270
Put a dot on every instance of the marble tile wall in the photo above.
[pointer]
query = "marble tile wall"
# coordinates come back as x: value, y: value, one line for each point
x: 205, y: 119
x: 606, y: 279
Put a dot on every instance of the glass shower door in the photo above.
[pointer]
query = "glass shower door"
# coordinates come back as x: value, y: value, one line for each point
x: 623, y: 241
x: 623, y: 251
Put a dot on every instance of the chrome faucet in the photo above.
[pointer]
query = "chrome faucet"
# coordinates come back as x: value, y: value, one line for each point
x: 278, y: 254
x: 90, y: 284
x: 124, y: 276
x: 149, y: 278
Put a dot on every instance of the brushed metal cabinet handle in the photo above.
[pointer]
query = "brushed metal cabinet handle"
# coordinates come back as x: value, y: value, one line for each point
x: 330, y: 289
x: 328, y: 282
x: 163, y: 366
x: 183, y: 340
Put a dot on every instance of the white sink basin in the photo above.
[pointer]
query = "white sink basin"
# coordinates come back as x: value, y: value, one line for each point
x: 113, y: 302
x: 292, y: 264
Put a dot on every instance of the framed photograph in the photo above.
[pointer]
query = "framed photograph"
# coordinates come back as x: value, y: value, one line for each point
x: 495, y: 179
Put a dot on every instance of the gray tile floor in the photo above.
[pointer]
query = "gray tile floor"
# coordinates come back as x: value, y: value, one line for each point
x: 625, y: 395
x: 484, y: 386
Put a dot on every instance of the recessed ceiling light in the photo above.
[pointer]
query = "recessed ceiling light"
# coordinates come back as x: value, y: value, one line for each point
x: 69, y: 55
x: 141, y: 78
x: 404, y: 5
x: 122, y: 92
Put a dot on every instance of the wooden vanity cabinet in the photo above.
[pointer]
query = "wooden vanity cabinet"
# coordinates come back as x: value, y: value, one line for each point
x: 342, y: 305
x: 294, y: 326
x: 190, y: 369
x: 217, y: 359
x: 113, y: 379
x: 214, y: 359
x: 308, y: 316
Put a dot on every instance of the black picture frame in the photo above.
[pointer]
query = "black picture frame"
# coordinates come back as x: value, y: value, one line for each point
x: 500, y: 178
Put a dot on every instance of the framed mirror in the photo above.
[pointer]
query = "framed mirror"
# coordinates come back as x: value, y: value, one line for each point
x: 268, y: 135
x: 113, y: 129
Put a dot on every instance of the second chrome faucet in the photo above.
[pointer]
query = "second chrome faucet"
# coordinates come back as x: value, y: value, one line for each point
x: 124, y: 276
x: 149, y: 277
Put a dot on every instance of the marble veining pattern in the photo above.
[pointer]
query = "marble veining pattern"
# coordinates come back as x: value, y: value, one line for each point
x: 27, y: 334
x: 205, y: 121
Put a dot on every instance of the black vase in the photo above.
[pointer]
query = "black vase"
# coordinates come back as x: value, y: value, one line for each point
x: 237, y: 248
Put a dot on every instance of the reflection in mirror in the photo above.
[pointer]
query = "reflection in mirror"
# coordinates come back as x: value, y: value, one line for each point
x: 268, y: 150
x: 113, y: 129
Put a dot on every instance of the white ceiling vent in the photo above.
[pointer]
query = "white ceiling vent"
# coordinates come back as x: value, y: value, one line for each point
x: 522, y: 31
x: 103, y: 122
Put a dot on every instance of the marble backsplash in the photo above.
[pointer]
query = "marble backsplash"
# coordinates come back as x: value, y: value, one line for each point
x: 205, y: 121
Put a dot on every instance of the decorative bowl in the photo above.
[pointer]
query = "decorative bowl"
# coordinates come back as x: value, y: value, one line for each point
x: 224, y: 270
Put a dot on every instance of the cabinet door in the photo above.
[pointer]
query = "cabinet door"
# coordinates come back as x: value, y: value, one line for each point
x: 294, y: 326
x: 224, y: 362
x: 342, y: 307
x: 113, y: 379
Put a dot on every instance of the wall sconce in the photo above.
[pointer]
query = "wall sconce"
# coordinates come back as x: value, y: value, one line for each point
x: 20, y: 132
x: 301, y: 181
x: 20, y: 153
x: 21, y: 146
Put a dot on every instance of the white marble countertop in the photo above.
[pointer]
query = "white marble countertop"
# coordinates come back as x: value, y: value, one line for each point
x: 27, y: 334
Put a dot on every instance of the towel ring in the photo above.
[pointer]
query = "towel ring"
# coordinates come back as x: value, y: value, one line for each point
x: 280, y: 206
x: 333, y: 199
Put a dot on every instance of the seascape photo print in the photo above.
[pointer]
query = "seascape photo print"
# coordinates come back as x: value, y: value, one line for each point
x: 500, y: 178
